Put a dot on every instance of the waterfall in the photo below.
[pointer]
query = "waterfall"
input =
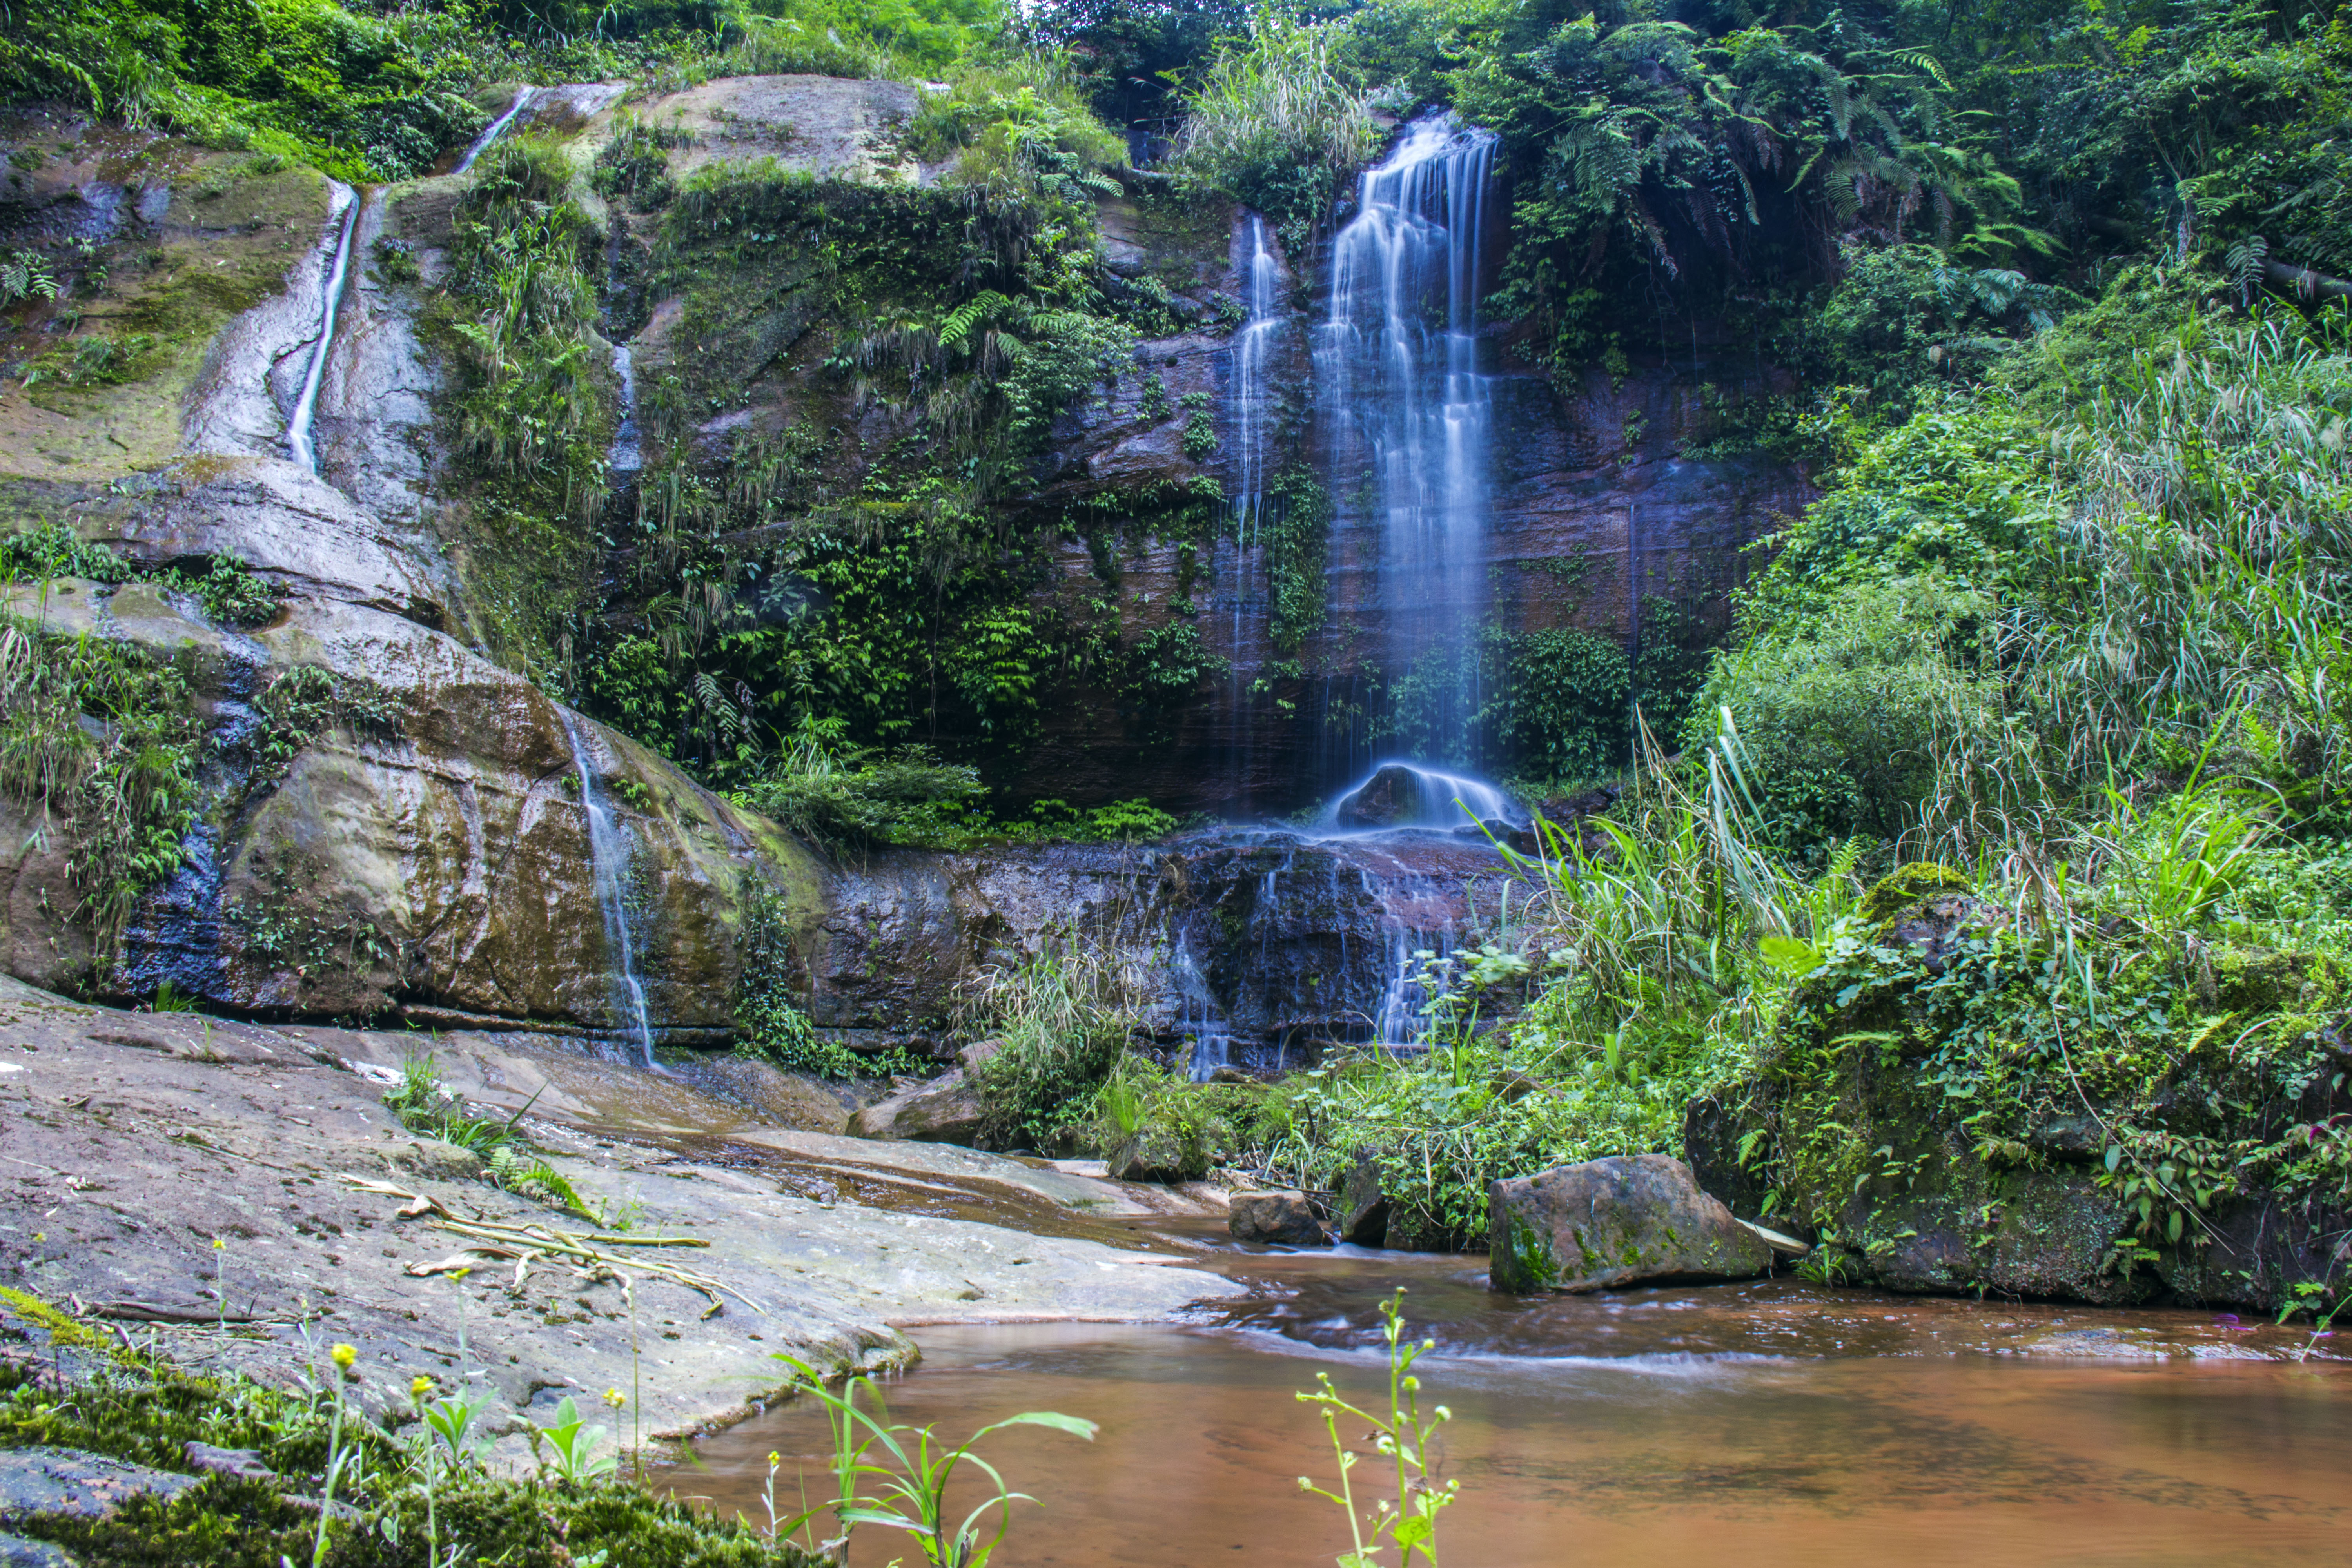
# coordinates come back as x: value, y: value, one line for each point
x: 1198, y: 1017
x: 628, y: 456
x: 1406, y: 405
x: 299, y: 444
x: 498, y: 127
x: 608, y: 855
x: 1404, y: 795
x: 1254, y: 347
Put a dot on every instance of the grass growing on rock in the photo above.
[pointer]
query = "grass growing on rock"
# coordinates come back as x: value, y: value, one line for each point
x: 146, y: 1410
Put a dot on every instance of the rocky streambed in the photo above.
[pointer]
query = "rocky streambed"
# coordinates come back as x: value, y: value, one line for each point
x: 238, y: 1196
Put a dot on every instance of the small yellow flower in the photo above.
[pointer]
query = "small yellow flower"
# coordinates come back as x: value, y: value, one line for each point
x: 418, y: 1387
x: 775, y: 1458
x: 219, y: 1246
x: 615, y: 1398
x: 40, y: 1236
x: 459, y: 1274
x: 344, y: 1355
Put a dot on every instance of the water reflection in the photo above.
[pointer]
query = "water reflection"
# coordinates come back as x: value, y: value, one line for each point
x: 1789, y: 1423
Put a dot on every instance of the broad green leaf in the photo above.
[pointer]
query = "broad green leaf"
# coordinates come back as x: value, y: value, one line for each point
x: 1070, y: 1424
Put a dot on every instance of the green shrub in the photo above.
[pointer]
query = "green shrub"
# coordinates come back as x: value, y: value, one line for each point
x: 1063, y: 1017
x: 1848, y: 716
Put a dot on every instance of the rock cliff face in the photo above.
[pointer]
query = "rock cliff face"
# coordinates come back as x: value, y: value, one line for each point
x: 429, y: 858
x: 417, y: 849
x: 1275, y: 943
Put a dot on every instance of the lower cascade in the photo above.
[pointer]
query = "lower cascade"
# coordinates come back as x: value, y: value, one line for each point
x: 609, y: 862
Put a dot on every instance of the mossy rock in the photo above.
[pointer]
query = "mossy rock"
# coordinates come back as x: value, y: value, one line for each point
x: 1908, y: 884
x: 2257, y: 979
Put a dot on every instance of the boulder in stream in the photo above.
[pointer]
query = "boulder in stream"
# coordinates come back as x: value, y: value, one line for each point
x: 1160, y: 1150
x: 1275, y: 1219
x: 1614, y: 1222
x: 946, y: 1110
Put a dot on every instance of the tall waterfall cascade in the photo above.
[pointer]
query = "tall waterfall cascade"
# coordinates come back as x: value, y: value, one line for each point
x: 1252, y: 408
x: 626, y: 456
x: 300, y: 445
x: 608, y: 853
x: 1405, y: 405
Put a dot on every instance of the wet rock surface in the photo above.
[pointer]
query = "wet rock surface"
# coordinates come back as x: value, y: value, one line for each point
x: 1276, y: 1219
x: 1282, y: 942
x: 1614, y: 1222
x: 138, y: 1139
x: 948, y: 1109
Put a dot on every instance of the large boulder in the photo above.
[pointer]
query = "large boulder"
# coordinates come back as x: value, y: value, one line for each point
x: 1275, y: 1219
x: 1614, y: 1222
x: 1162, y: 1149
x: 946, y: 1110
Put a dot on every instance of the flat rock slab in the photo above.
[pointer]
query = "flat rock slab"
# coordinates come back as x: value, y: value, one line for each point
x: 134, y: 1140
x: 1613, y: 1221
x: 67, y: 1481
x: 15, y: 1551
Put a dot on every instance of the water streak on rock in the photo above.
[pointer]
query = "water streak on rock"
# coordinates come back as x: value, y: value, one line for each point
x: 496, y: 128
x: 609, y: 854
x: 299, y: 444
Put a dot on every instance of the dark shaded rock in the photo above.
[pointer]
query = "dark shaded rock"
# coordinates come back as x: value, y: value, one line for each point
x: 1158, y: 1152
x: 1363, y: 1210
x: 15, y: 1551
x: 2068, y: 1136
x: 1711, y: 1134
x: 1385, y: 798
x: 1277, y: 1219
x: 1410, y: 1230
x: 1614, y: 1222
x: 946, y: 1110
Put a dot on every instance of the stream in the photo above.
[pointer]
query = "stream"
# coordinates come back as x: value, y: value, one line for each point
x: 1787, y: 1422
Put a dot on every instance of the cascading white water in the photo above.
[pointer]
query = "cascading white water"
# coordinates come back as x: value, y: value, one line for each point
x: 1253, y: 353
x: 1252, y: 420
x: 299, y: 444
x: 1198, y: 1017
x: 628, y: 456
x: 497, y: 129
x: 1406, y: 794
x: 608, y: 855
x: 1404, y: 401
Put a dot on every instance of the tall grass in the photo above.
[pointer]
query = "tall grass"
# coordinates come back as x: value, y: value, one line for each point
x: 2194, y: 595
x: 1062, y: 1018
x: 1277, y: 121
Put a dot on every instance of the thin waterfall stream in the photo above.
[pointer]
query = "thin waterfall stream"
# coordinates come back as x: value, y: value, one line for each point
x: 300, y: 445
x: 609, y: 856
x: 496, y: 129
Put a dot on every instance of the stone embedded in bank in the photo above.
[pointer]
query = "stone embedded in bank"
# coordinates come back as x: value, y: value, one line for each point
x: 1276, y: 1219
x: 1614, y: 1222
x: 946, y: 1110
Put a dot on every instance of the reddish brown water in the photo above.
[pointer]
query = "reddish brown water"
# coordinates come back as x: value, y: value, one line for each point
x: 1775, y: 1423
